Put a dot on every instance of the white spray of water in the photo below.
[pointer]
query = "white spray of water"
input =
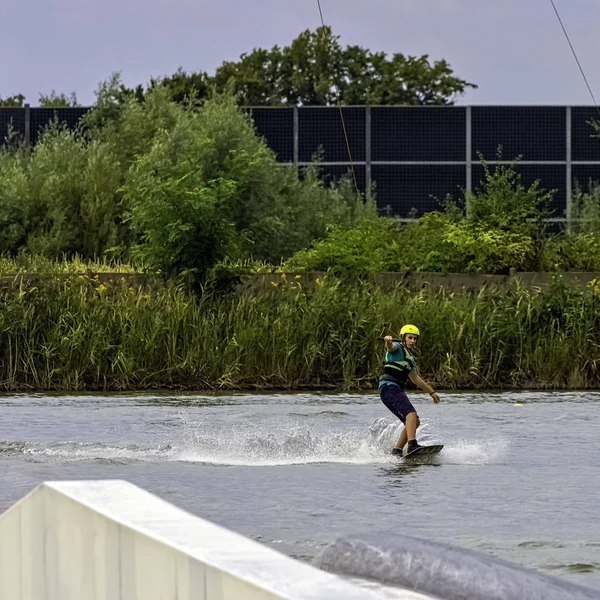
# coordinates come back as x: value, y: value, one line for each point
x: 252, y: 443
x: 82, y: 451
x: 475, y: 452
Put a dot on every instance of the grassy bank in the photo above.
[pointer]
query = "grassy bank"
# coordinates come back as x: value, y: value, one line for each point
x: 40, y: 265
x: 82, y: 335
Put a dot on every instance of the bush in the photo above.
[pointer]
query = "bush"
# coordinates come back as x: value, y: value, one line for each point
x: 15, y: 209
x: 586, y: 210
x: 501, y: 229
x: 579, y: 248
x: 504, y: 203
x: 572, y: 252
x: 425, y: 244
x: 370, y: 246
x: 209, y: 188
x: 60, y: 197
x: 65, y: 195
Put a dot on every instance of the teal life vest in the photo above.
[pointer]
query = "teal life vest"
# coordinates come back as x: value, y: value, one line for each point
x: 397, y: 367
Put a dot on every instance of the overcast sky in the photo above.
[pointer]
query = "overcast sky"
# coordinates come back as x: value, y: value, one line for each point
x: 513, y: 49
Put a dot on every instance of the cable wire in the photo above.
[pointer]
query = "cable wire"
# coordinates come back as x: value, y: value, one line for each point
x: 337, y: 95
x: 574, y: 53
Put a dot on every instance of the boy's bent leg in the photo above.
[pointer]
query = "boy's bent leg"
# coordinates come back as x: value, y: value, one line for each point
x: 411, y: 426
x: 402, y: 439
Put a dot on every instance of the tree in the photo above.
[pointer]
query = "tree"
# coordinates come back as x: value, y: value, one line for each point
x: 15, y: 101
x: 53, y: 101
x: 308, y: 71
x: 182, y: 86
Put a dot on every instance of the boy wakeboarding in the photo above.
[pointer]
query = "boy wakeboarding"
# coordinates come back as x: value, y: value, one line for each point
x: 399, y: 366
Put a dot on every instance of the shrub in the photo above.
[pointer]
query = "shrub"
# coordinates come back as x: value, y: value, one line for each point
x: 209, y: 188
x: 371, y: 245
x: 501, y: 229
x: 579, y: 248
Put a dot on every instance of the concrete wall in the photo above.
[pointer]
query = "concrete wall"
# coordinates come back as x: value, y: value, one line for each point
x: 109, y: 540
x: 454, y: 282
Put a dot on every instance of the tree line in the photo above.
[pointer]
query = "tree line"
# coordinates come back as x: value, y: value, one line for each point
x: 314, y: 70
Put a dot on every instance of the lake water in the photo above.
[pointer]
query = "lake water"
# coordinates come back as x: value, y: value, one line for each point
x: 297, y: 471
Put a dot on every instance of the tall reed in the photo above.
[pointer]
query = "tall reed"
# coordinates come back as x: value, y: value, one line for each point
x: 78, y: 334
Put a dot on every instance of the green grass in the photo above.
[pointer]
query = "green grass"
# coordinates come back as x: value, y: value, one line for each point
x: 79, y: 334
x: 37, y: 264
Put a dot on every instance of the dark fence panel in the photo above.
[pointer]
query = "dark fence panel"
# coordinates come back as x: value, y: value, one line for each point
x: 534, y: 133
x: 413, y: 156
x: 584, y: 176
x: 42, y: 117
x: 14, y: 117
x: 276, y: 126
x: 321, y: 128
x: 409, y: 191
x: 330, y: 173
x: 585, y: 145
x: 418, y: 133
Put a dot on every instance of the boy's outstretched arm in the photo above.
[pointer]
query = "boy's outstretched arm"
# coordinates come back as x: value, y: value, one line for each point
x: 418, y: 381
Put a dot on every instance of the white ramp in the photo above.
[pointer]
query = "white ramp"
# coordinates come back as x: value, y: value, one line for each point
x: 110, y: 540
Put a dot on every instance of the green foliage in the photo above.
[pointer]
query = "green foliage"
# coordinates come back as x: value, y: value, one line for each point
x: 184, y: 87
x: 501, y: 230
x: 425, y: 247
x: 488, y: 250
x: 53, y: 100
x: 37, y: 264
x: 209, y: 188
x: 572, y: 252
x: 134, y: 168
x: 60, y: 197
x: 370, y: 246
x: 504, y: 203
x: 15, y: 211
x: 444, y: 242
x: 184, y: 218
x: 586, y: 209
x: 307, y: 71
x: 78, y: 334
x: 127, y: 126
x: 286, y: 213
x: 15, y: 101
x: 579, y: 248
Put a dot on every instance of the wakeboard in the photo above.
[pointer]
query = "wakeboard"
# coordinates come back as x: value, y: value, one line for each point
x: 419, y: 452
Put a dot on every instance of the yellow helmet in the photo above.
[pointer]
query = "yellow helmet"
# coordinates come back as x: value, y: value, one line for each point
x: 409, y: 329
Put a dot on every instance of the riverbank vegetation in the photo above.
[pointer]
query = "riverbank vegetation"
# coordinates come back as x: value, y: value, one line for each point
x: 79, y: 334
x: 187, y: 192
x: 184, y: 189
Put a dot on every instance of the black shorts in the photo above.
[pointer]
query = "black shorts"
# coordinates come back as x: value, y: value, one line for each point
x: 396, y: 400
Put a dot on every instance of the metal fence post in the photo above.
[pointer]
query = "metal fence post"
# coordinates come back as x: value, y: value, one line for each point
x: 368, y: 149
x: 469, y: 154
x: 569, y: 169
x: 296, y: 137
x: 27, y: 124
